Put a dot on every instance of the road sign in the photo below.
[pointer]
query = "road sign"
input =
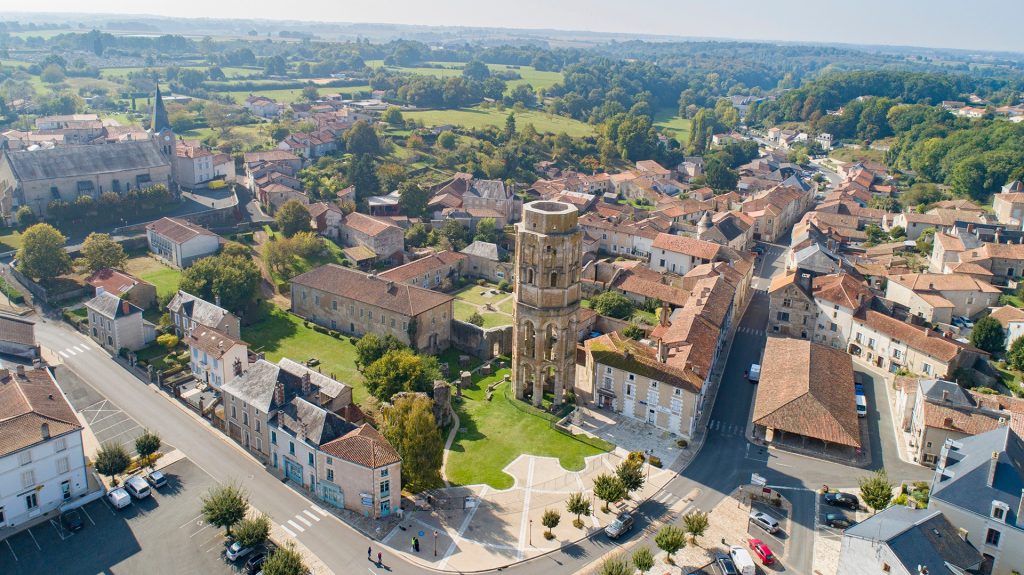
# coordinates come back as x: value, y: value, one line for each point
x: 758, y: 480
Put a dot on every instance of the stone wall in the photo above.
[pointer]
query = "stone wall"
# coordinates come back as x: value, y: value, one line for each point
x: 479, y: 342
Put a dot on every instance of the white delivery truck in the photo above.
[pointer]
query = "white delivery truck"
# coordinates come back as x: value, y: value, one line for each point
x: 743, y: 561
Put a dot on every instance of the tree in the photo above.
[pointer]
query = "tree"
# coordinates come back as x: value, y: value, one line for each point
x: 284, y: 561
x: 476, y: 70
x: 52, y: 74
x: 876, y: 490
x: 111, y: 460
x: 967, y: 179
x: 363, y: 176
x: 579, y: 506
x: 634, y: 331
x: 310, y: 93
x: 416, y: 235
x: 446, y: 140
x: 608, y: 488
x: 696, y: 523
x: 412, y: 198
x: 234, y: 279
x: 393, y: 115
x: 253, y: 531
x: 615, y: 565
x: 510, y: 127
x: 409, y: 425
x: 454, y: 233
x: 612, y: 304
x: 362, y: 139
x: 988, y: 335
x: 42, y: 254
x: 670, y: 539
x: 925, y: 242
x: 486, y: 231
x: 1015, y: 356
x: 476, y: 319
x: 550, y: 519
x: 876, y: 235
x: 643, y: 559
x: 291, y: 218
x: 400, y: 370
x: 99, y: 251
x: 630, y: 473
x: 372, y: 347
x: 719, y: 175
x: 224, y: 506
x: 25, y: 216
x: 146, y: 445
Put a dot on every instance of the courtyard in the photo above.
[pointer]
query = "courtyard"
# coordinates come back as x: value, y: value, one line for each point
x: 494, y: 305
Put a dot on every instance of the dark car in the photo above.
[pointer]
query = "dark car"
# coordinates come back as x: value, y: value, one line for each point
x: 726, y: 565
x: 757, y: 249
x: 255, y: 563
x: 72, y: 520
x: 838, y: 521
x: 620, y: 526
x: 840, y: 499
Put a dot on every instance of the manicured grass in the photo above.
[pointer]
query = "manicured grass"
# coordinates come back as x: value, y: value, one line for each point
x: 1011, y: 379
x: 463, y: 310
x: 472, y: 294
x: 667, y: 121
x: 500, y: 430
x: 281, y: 334
x: 164, y: 277
x: 1014, y: 300
x: 451, y: 357
x: 331, y: 255
x: 476, y: 118
x: 10, y: 239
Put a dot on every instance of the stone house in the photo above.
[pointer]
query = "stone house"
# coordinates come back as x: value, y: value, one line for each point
x: 438, y: 271
x: 18, y: 337
x: 124, y: 285
x: 1012, y: 320
x: 189, y: 312
x: 1008, y: 204
x: 325, y: 219
x: 383, y: 238
x: 179, y: 243
x: 117, y: 324
x: 216, y: 358
x: 488, y: 261
x: 357, y: 303
x: 938, y: 297
x: 680, y: 254
x: 360, y: 471
x: 891, y: 344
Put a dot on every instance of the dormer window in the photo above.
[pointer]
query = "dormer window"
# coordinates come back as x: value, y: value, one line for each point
x: 1000, y: 511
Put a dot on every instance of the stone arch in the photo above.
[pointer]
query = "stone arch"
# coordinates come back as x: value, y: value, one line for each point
x: 550, y: 342
x: 553, y: 276
x: 529, y: 276
x: 529, y: 338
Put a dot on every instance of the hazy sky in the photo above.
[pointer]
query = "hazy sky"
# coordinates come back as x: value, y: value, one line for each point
x: 981, y: 24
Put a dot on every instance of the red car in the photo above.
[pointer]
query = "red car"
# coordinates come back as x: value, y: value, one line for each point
x: 762, y: 551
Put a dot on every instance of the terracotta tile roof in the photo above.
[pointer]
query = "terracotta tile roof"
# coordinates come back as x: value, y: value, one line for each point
x: 178, y: 231
x: 781, y: 281
x: 807, y: 389
x: 27, y: 402
x: 950, y: 242
x: 969, y: 421
x: 16, y: 329
x: 639, y: 283
x: 386, y: 294
x: 634, y: 357
x: 359, y: 253
x: 317, y: 209
x: 943, y: 282
x: 364, y: 446
x: 414, y: 269
x: 368, y: 225
x: 970, y: 268
x: 966, y: 205
x: 269, y: 156
x: 690, y: 246
x: 114, y: 281
x: 994, y: 251
x: 921, y: 339
x: 842, y: 289
x: 213, y: 342
x: 1007, y: 314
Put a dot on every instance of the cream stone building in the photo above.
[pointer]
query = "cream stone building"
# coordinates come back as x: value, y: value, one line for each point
x: 549, y: 246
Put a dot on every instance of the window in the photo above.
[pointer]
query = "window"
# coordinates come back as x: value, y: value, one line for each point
x: 998, y: 513
x: 787, y: 302
x: 992, y: 537
x: 782, y: 316
x: 259, y: 442
x: 384, y: 472
x: 310, y: 458
x: 291, y: 447
x: 62, y: 465
x: 926, y: 368
x: 273, y: 438
x: 334, y: 304
x: 632, y: 377
x: 654, y: 385
x: 677, y: 392
x: 330, y: 475
x: 62, y: 444
x: 257, y: 426
x: 245, y: 418
x: 385, y: 488
x: 25, y: 457
x: 834, y: 327
x: 28, y: 479
x: 629, y: 390
x: 31, y: 501
x: 871, y: 343
x: 65, y: 489
x: 896, y: 354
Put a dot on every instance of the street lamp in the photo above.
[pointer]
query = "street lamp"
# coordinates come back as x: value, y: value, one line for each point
x: 435, y: 543
x: 531, y: 532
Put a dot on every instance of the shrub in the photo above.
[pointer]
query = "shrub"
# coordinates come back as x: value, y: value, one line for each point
x: 476, y: 319
x: 168, y: 340
x: 655, y: 461
x: 504, y: 286
x: 481, y: 282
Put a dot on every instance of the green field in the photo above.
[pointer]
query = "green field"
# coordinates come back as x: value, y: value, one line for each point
x: 229, y: 71
x: 477, y: 118
x: 164, y: 277
x: 529, y: 75
x: 281, y: 334
x: 667, y: 121
x: 292, y: 95
x: 499, y: 430
x: 855, y: 155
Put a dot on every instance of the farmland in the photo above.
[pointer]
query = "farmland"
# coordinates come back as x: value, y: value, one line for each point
x: 477, y: 118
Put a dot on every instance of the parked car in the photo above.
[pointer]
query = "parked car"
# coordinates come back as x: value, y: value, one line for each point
x: 255, y: 563
x: 236, y: 551
x: 742, y: 560
x: 838, y: 521
x: 137, y: 486
x: 840, y: 499
x: 962, y: 322
x: 620, y: 526
x: 119, y: 498
x: 754, y: 375
x: 71, y: 520
x: 757, y: 249
x: 156, y: 479
x: 862, y: 405
x: 764, y: 521
x: 762, y: 551
x: 726, y: 565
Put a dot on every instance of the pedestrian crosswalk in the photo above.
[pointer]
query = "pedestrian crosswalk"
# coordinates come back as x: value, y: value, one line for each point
x: 307, y: 519
x: 750, y: 330
x: 666, y: 498
x: 723, y: 428
x: 73, y: 350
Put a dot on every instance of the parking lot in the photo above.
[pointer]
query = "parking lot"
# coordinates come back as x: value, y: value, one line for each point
x: 163, y: 533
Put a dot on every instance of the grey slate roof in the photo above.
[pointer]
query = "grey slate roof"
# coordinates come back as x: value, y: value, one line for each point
x: 729, y: 229
x: 955, y: 395
x: 490, y: 189
x: 963, y: 480
x: 78, y: 161
x: 314, y: 424
x: 919, y: 537
x: 486, y: 250
x: 197, y: 309
x: 109, y: 305
x: 255, y: 386
x: 328, y: 386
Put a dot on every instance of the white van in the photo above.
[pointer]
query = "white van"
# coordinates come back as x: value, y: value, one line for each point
x: 743, y: 561
x: 137, y: 486
x: 755, y: 372
x: 119, y: 498
x: 862, y: 406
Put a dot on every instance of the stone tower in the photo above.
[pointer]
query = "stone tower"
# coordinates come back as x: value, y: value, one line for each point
x: 160, y: 128
x: 549, y: 247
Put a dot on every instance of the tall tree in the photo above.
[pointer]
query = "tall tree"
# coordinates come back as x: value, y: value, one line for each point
x: 409, y: 425
x: 361, y: 139
x: 224, y: 506
x: 372, y: 347
x: 876, y: 490
x: 412, y: 198
x: 630, y: 473
x: 284, y: 561
x: 400, y: 370
x: 42, y: 254
x: 579, y: 506
x: 608, y: 488
x: 696, y: 523
x: 146, y: 445
x: 233, y: 279
x: 111, y: 460
x: 988, y: 335
x: 1015, y: 357
x: 487, y: 231
x: 292, y: 218
x: 670, y: 539
x: 510, y: 127
x: 363, y: 176
x: 99, y: 251
x: 253, y: 531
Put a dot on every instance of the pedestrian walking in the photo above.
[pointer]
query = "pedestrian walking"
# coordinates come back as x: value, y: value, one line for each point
x: 380, y: 559
x: 416, y: 544
x: 369, y: 553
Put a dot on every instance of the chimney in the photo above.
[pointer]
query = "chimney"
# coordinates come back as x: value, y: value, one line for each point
x: 662, y: 351
x: 20, y: 370
x: 126, y: 307
x: 279, y: 394
x: 305, y: 383
x: 4, y: 373
x: 947, y: 334
x: 963, y: 532
x: 993, y: 463
x: 44, y: 430
x: 948, y: 423
x: 945, y: 395
x: 922, y: 570
x: 663, y: 315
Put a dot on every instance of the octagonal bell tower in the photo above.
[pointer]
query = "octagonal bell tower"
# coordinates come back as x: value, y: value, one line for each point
x: 549, y: 247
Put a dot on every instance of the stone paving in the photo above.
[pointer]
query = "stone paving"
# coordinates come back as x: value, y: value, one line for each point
x: 481, y: 528
x: 628, y: 434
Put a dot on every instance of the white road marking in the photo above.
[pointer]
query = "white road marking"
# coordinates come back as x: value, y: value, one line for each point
x: 318, y: 510
x: 524, y: 524
x: 296, y: 526
x: 288, y: 531
x: 8, y: 541
x: 192, y: 521
x: 65, y: 356
x: 32, y: 535
x: 198, y: 532
x: 78, y: 349
x: 89, y: 516
x: 304, y: 520
x: 311, y: 515
x: 72, y: 352
x: 85, y: 347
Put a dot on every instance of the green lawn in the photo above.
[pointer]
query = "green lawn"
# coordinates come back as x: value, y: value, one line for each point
x: 1011, y: 379
x: 476, y: 118
x: 164, y: 277
x: 500, y: 430
x: 281, y: 334
x: 472, y: 294
x: 1014, y: 300
x: 666, y: 120
x: 463, y: 310
x: 10, y: 239
x: 853, y: 155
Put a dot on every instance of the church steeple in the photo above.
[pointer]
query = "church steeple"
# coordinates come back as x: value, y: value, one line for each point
x: 159, y: 121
